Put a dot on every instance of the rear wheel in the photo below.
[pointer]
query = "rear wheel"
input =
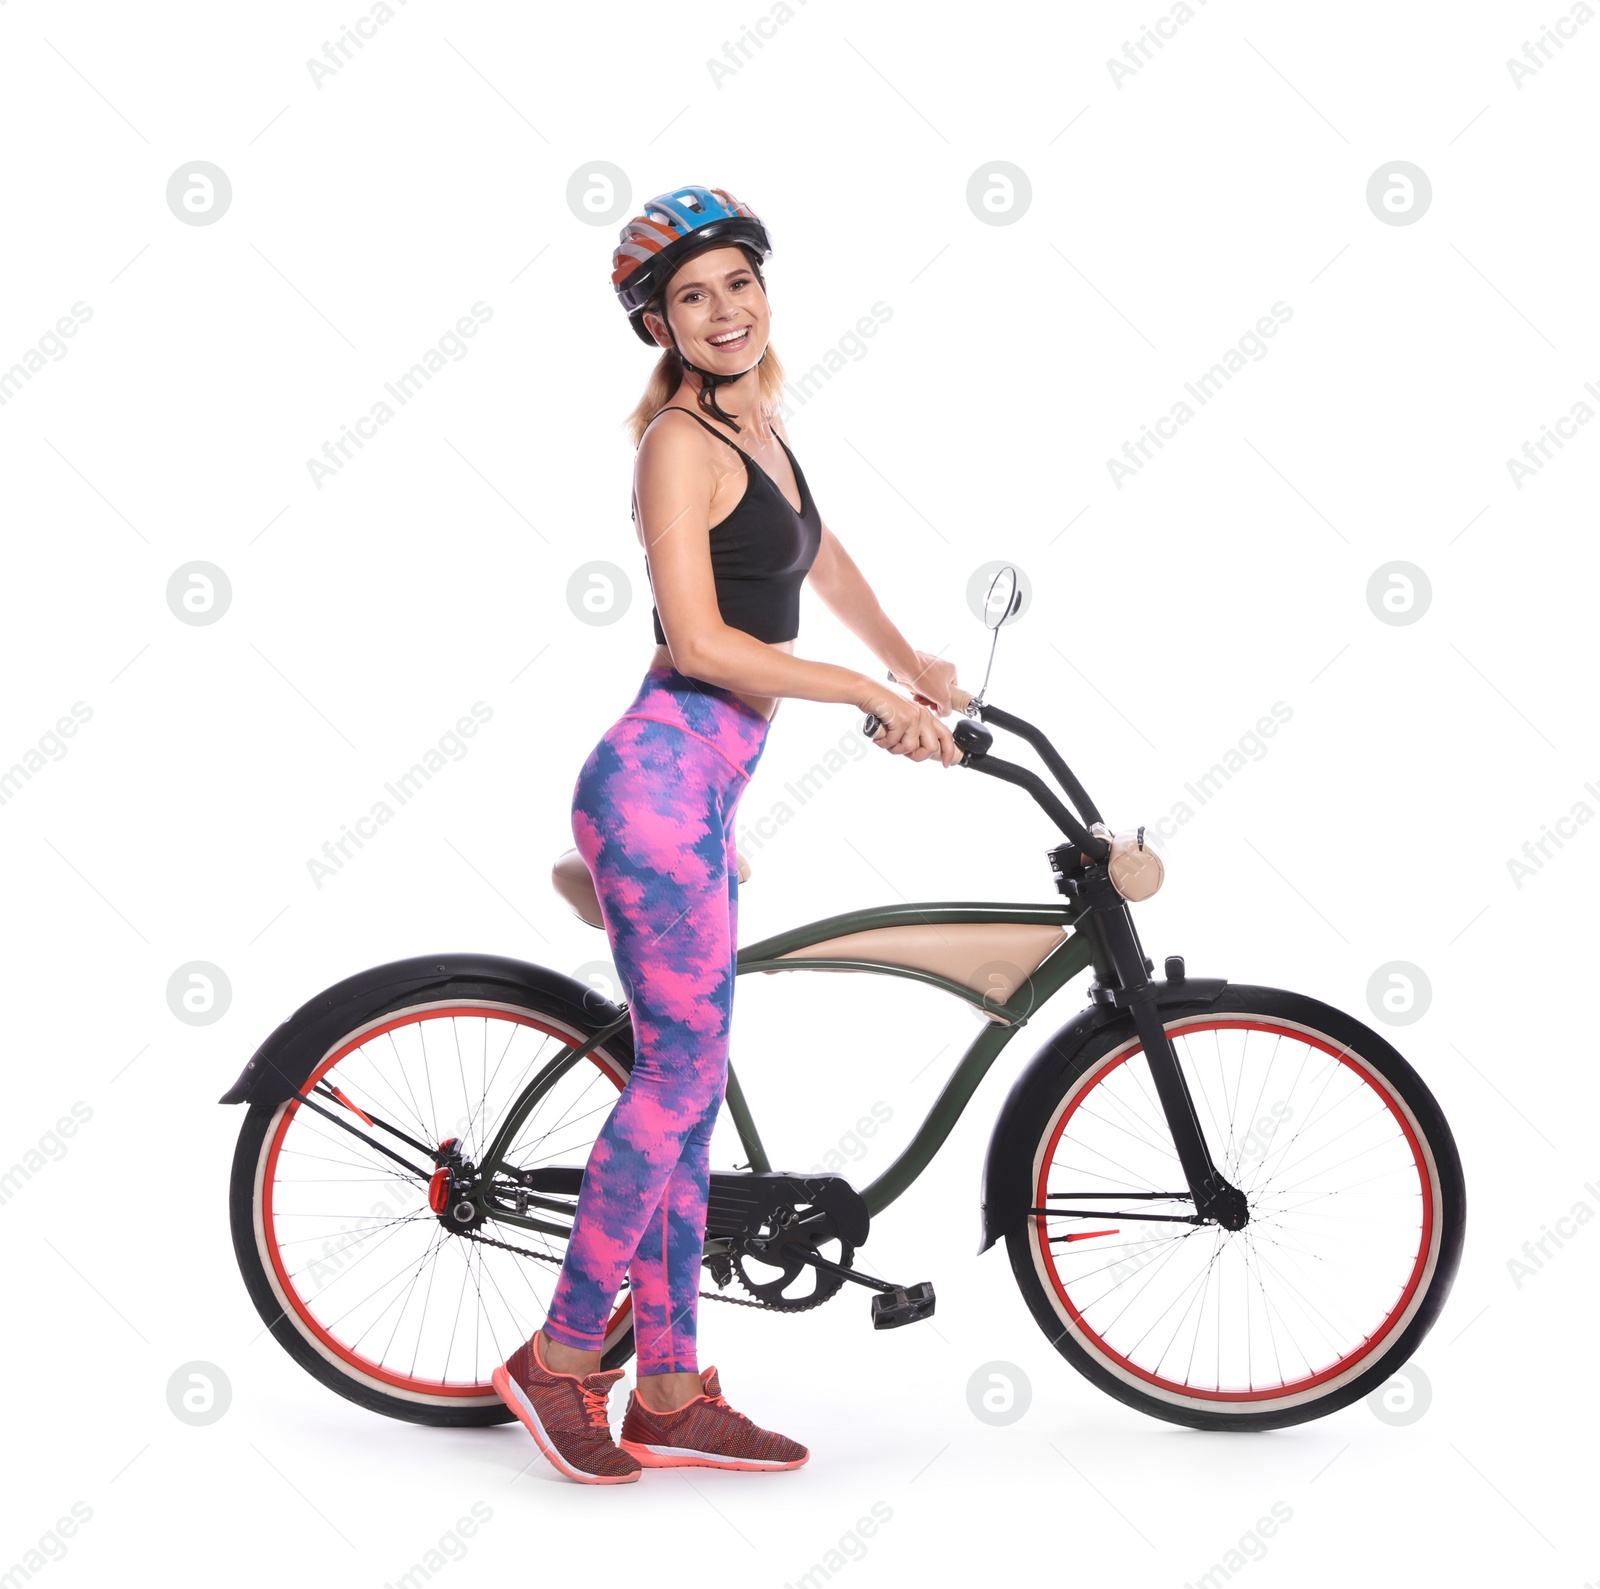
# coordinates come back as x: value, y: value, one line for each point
x: 355, y: 1268
x: 1357, y: 1213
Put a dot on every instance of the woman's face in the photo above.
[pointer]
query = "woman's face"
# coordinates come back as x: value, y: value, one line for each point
x: 717, y: 308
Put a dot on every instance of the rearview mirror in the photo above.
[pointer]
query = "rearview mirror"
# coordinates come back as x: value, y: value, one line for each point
x: 1001, y: 603
x: 1004, y: 598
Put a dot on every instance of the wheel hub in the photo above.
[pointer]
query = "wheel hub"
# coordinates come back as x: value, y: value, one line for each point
x: 1229, y: 1207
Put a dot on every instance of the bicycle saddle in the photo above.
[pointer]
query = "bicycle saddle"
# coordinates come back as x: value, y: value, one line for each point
x: 572, y: 880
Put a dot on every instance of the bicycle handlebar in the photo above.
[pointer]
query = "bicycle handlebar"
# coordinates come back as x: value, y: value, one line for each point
x: 1007, y: 771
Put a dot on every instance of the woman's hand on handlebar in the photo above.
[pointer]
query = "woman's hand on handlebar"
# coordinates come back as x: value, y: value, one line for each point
x: 908, y: 729
x: 930, y: 685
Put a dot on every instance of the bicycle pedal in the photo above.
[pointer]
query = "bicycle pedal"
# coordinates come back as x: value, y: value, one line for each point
x: 903, y: 1305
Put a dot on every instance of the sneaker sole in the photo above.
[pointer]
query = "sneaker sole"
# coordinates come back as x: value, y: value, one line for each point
x: 683, y: 1457
x: 512, y: 1394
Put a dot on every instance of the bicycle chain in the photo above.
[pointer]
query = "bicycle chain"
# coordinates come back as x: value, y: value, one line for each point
x: 521, y: 1252
x: 740, y: 1302
x: 713, y: 1296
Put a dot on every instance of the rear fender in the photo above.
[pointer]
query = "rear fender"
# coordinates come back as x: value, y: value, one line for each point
x: 1008, y: 1166
x: 282, y: 1063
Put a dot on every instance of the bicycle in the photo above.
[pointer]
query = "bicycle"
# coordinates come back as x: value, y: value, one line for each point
x: 1228, y: 1206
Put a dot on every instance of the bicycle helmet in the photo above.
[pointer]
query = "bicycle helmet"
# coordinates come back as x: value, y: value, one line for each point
x: 674, y: 227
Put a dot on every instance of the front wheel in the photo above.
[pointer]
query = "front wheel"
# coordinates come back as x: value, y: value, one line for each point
x: 1357, y: 1213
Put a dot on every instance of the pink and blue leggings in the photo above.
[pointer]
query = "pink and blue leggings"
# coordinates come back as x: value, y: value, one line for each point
x: 652, y: 814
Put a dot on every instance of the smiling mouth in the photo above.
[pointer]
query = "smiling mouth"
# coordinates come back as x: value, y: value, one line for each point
x: 731, y: 341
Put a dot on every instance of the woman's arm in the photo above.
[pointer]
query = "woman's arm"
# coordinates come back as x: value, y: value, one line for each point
x: 844, y: 589
x: 847, y: 595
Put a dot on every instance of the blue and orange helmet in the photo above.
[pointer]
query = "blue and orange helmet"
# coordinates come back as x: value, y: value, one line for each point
x: 673, y: 226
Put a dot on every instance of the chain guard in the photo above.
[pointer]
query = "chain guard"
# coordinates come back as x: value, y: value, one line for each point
x: 767, y: 1219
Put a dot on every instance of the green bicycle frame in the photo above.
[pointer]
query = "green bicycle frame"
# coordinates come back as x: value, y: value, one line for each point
x: 1078, y: 950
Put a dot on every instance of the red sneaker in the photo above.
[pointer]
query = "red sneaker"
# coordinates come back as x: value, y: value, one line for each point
x: 566, y: 1415
x: 705, y: 1433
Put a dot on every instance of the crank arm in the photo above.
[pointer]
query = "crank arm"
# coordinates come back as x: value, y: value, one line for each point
x: 817, y: 1261
x: 893, y: 1306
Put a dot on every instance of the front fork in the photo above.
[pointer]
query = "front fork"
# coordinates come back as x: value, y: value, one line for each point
x: 1215, y: 1197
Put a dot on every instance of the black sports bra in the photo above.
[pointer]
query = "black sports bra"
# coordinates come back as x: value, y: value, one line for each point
x: 761, y: 553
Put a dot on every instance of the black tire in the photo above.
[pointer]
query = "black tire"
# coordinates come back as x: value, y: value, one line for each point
x: 1436, y: 1268
x: 254, y: 1250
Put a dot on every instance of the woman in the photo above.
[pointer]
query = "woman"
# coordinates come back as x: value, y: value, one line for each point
x: 730, y: 533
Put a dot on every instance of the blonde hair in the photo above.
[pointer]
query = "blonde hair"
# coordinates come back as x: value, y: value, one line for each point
x: 667, y: 376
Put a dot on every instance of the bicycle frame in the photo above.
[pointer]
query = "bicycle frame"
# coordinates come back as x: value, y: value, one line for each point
x: 1080, y: 949
x: 1099, y: 933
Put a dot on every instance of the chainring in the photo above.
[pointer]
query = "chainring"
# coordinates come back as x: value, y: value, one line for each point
x: 773, y: 1293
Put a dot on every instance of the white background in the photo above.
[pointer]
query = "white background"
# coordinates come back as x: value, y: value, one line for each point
x: 1170, y: 611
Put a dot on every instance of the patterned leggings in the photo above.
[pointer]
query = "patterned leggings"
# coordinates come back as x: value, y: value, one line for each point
x: 652, y: 814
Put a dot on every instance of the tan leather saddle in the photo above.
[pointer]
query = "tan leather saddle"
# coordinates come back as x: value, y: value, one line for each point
x: 575, y: 884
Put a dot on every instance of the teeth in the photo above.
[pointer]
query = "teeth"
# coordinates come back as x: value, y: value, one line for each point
x: 731, y: 336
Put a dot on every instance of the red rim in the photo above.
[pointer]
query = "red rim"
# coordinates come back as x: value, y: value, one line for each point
x: 365, y: 1365
x: 1297, y: 1387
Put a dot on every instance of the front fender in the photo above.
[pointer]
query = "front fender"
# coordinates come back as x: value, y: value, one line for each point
x: 296, y: 1047
x: 1008, y: 1166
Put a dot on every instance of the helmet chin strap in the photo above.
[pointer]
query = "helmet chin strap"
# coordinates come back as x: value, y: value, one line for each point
x: 710, y: 380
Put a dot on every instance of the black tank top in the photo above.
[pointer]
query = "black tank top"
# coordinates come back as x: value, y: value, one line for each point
x: 761, y: 553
